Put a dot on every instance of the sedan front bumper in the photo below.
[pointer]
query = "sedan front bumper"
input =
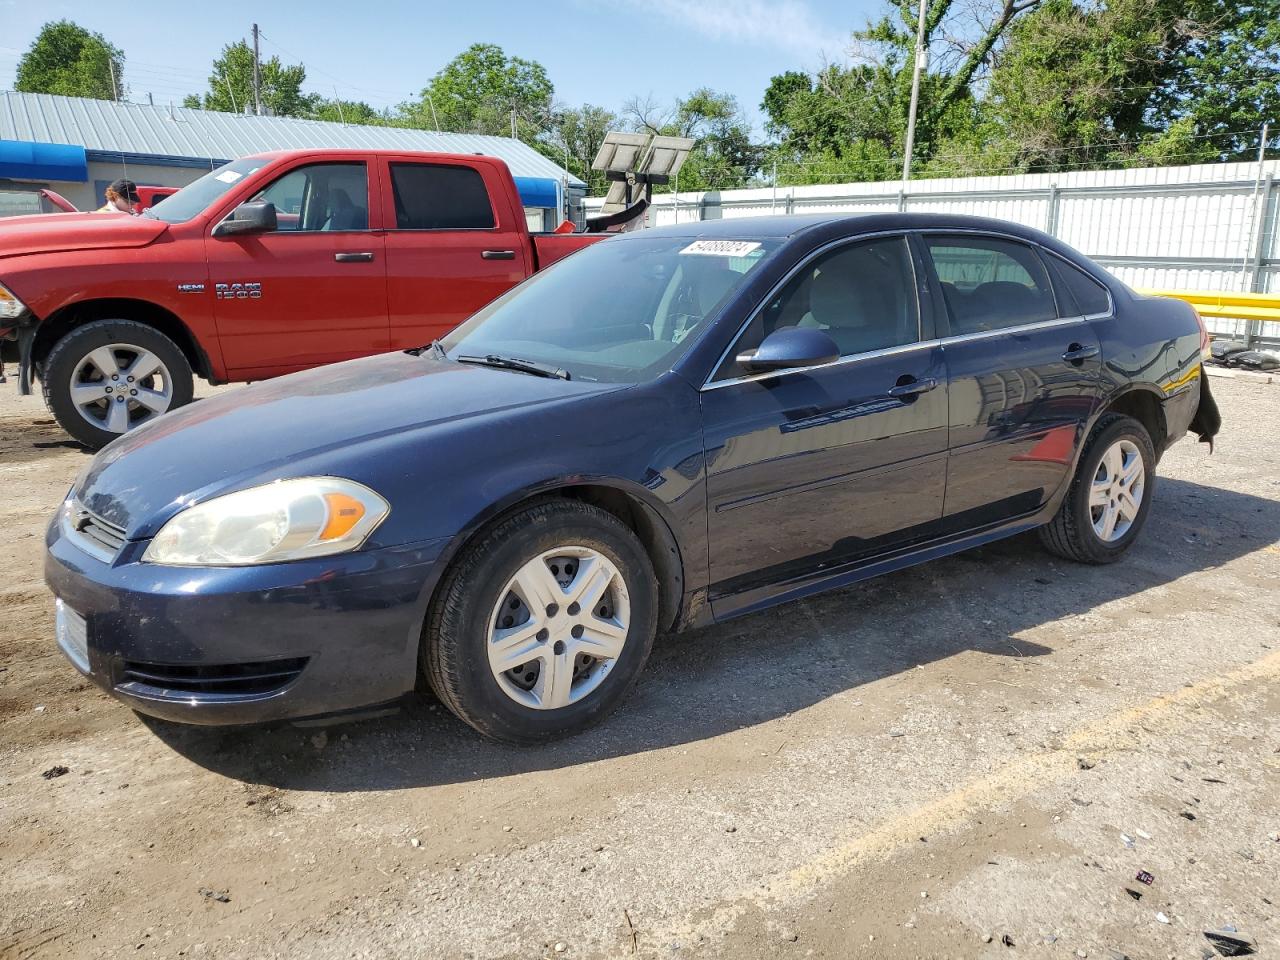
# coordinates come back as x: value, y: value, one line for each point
x: 232, y: 645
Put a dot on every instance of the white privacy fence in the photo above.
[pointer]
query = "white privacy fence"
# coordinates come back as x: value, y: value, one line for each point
x: 1203, y: 227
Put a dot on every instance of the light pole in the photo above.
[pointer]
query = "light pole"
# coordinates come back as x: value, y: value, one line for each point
x: 917, y: 68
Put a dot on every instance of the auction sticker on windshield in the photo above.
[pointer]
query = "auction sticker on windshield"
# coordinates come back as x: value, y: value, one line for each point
x: 720, y: 248
x: 228, y: 176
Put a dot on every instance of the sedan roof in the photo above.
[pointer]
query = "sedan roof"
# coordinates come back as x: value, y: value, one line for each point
x: 790, y: 225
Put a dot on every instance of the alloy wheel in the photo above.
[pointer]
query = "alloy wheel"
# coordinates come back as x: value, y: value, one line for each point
x: 120, y: 386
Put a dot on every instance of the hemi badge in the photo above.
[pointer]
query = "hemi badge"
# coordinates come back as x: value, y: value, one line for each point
x: 191, y: 288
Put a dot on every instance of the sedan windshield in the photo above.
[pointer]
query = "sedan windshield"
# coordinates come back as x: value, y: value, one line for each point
x: 620, y: 311
x: 199, y: 195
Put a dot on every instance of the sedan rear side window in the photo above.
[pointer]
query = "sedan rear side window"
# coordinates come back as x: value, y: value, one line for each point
x: 991, y: 284
x: 440, y: 197
x: 1084, y: 295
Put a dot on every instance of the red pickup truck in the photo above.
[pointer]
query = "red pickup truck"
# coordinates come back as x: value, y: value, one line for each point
x: 270, y: 264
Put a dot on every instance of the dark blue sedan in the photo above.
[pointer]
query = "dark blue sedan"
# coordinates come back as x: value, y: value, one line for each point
x: 668, y: 429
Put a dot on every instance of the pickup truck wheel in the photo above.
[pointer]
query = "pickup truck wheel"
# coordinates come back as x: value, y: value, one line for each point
x: 107, y: 377
x: 543, y: 624
x: 1110, y: 494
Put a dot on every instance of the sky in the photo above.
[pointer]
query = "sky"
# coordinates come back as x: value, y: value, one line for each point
x: 384, y: 53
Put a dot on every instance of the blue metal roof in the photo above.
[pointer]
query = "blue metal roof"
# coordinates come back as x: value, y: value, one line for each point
x: 135, y: 129
x: 20, y: 160
x: 539, y: 192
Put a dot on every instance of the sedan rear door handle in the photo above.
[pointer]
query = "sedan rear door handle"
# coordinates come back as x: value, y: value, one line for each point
x: 361, y: 257
x: 913, y: 388
x: 498, y: 254
x: 1077, y: 352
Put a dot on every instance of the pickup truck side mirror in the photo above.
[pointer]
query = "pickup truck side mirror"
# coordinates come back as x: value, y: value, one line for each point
x: 248, y: 218
x: 788, y: 348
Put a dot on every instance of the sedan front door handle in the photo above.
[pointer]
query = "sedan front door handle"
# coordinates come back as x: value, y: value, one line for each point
x: 498, y: 254
x: 913, y: 388
x: 361, y: 257
x: 1078, y: 352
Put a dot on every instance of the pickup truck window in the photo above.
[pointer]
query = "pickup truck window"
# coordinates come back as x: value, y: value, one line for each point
x: 197, y: 196
x: 432, y: 196
x: 321, y: 196
x: 620, y: 311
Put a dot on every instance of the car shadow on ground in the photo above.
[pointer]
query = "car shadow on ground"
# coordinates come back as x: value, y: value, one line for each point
x: 755, y: 669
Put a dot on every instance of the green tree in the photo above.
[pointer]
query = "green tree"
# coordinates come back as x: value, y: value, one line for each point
x: 852, y: 120
x: 723, y: 156
x: 231, y: 85
x: 572, y: 139
x: 350, y: 112
x: 1137, y: 81
x: 68, y: 60
x: 480, y: 90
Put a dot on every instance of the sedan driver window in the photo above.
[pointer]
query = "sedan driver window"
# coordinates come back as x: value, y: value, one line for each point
x: 861, y: 295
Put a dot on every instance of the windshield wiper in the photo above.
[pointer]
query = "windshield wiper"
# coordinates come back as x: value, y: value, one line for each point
x: 515, y: 363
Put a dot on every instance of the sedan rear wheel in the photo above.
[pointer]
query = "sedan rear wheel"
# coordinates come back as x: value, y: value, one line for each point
x: 1116, y: 493
x: 1110, y: 494
x: 542, y: 625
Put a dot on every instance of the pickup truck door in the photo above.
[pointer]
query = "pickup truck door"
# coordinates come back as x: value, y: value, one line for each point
x: 455, y: 240
x: 313, y: 291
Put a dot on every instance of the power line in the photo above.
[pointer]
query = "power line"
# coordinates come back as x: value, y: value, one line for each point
x: 330, y: 76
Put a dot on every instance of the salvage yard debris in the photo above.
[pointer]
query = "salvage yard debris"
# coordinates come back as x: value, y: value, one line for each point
x: 1229, y: 942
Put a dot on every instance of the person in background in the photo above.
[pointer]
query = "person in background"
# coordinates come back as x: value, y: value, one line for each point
x: 121, y: 196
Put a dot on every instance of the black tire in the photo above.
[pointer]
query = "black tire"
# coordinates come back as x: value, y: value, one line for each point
x: 453, y: 653
x: 66, y: 356
x: 1070, y: 534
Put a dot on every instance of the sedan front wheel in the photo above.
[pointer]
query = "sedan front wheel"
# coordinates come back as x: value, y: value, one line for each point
x: 543, y: 624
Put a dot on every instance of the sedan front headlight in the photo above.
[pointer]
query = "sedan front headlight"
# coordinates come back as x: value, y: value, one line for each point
x: 285, y: 520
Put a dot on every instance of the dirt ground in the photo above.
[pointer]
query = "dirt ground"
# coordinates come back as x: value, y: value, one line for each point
x: 973, y: 758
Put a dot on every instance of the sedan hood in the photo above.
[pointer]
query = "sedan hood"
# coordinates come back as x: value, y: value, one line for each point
x: 303, y: 424
x: 50, y: 232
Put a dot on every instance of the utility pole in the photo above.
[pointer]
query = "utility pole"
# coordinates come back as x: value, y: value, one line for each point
x: 115, y: 91
x: 917, y: 69
x: 257, y: 75
x: 230, y: 93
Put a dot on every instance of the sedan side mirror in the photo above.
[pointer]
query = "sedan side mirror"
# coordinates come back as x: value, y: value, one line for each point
x: 256, y: 217
x: 790, y: 347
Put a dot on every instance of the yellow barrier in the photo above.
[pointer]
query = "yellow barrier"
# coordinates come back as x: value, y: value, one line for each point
x: 1222, y: 303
